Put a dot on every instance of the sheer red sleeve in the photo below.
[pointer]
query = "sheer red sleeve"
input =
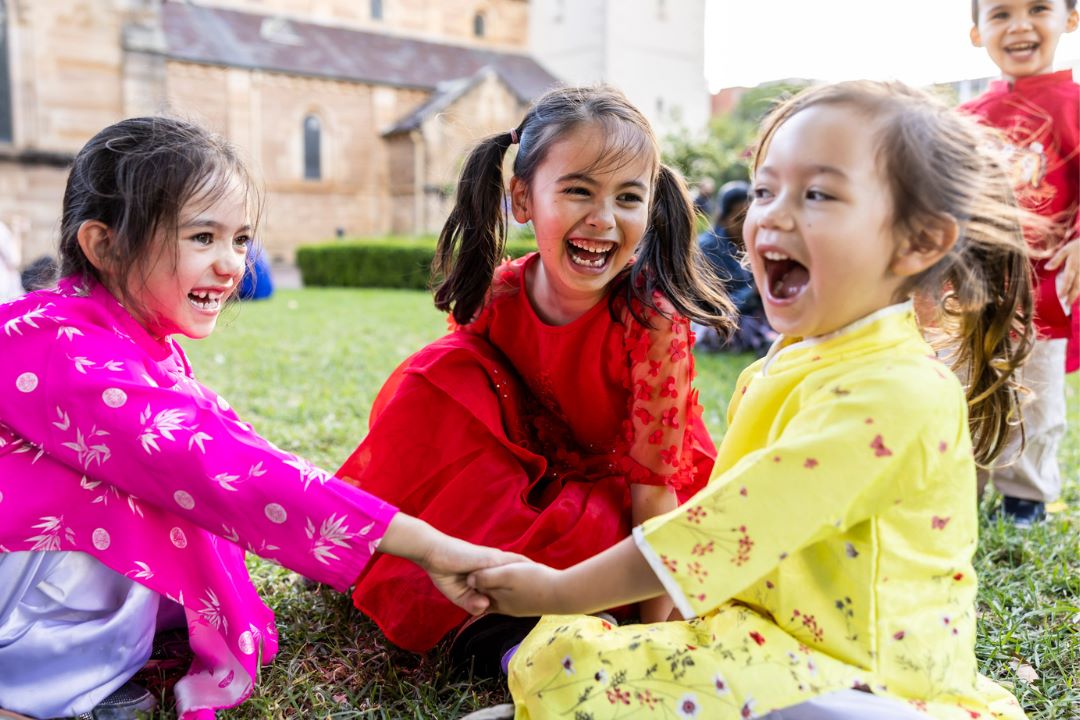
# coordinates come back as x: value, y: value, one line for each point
x: 663, y: 403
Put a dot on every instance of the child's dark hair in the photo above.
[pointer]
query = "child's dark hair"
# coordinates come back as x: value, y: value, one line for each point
x: 668, y: 260
x: 135, y: 177
x: 1069, y: 5
x: 939, y: 164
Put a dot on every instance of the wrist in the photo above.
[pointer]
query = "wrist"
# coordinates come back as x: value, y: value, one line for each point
x: 409, y: 538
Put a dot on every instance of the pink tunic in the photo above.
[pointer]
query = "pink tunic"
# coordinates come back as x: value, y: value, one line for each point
x: 108, y: 445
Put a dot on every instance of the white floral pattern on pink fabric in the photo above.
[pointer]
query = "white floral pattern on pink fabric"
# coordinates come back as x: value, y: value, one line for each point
x: 109, y: 446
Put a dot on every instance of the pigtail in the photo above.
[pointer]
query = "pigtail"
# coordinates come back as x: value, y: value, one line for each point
x: 670, y: 262
x: 473, y: 240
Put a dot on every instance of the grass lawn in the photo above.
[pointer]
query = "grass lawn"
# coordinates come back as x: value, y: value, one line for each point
x: 304, y: 368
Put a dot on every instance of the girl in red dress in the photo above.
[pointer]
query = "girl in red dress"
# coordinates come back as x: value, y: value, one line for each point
x: 559, y: 411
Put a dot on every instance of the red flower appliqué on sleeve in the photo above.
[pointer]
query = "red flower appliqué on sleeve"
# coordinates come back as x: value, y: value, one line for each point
x: 678, y: 349
x: 644, y: 391
x: 668, y: 389
x: 670, y: 417
x: 671, y: 456
x: 643, y: 415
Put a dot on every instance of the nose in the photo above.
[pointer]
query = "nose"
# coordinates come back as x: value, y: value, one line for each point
x: 776, y: 215
x: 230, y: 261
x: 601, y: 216
x: 1020, y: 22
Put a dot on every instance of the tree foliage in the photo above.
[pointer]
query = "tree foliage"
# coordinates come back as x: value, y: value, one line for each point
x: 722, y: 150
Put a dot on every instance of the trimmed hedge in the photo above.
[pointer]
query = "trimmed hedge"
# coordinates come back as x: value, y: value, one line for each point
x: 385, y: 263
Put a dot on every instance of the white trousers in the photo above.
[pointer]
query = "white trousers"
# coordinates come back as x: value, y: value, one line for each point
x: 847, y: 705
x: 1035, y: 474
x: 72, y: 631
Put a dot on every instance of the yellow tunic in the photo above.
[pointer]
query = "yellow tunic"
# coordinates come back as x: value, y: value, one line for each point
x: 831, y: 549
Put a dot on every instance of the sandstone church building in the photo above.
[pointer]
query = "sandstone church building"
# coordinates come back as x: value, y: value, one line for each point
x: 354, y: 114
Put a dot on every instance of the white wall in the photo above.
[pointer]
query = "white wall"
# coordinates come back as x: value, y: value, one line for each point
x: 654, y: 50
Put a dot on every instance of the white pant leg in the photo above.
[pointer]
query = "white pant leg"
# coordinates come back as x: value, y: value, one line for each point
x: 71, y: 632
x: 847, y: 705
x: 1034, y: 474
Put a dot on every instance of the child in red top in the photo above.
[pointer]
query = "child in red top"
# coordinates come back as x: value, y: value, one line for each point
x: 559, y: 411
x: 1038, y: 112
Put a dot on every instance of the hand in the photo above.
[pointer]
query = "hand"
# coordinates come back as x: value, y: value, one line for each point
x: 1067, y: 258
x: 521, y: 589
x: 447, y: 560
x: 449, y: 563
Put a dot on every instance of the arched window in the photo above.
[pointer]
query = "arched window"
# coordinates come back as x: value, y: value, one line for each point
x: 478, y: 24
x: 5, y: 79
x: 312, y: 148
x: 376, y: 9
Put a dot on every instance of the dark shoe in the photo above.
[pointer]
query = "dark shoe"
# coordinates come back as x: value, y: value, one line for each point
x: 483, y: 640
x: 128, y: 702
x: 1023, y: 513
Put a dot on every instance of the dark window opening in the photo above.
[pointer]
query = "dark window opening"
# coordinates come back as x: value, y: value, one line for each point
x: 312, y: 149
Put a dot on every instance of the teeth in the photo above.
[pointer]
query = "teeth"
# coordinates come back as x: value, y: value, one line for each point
x: 587, y: 263
x: 596, y: 246
x: 205, y: 299
x: 774, y: 255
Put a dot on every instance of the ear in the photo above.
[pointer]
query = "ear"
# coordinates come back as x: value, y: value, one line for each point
x: 95, y: 240
x: 1072, y: 20
x: 519, y: 200
x: 976, y: 36
x: 924, y: 247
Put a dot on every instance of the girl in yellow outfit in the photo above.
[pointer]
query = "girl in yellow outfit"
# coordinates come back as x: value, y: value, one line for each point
x: 825, y: 571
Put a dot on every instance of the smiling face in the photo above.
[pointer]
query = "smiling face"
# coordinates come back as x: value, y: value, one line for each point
x: 589, y: 212
x: 1021, y: 36
x: 185, y: 282
x: 819, y: 230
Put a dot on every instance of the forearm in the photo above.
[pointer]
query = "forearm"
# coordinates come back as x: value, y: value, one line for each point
x: 409, y: 538
x: 648, y: 501
x: 618, y: 576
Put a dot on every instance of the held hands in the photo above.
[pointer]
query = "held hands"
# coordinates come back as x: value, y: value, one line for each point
x: 521, y: 589
x: 449, y: 563
x: 447, y: 560
x: 1067, y: 258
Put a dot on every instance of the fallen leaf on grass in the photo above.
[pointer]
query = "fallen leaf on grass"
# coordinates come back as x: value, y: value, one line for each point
x: 1024, y: 671
x: 1056, y: 507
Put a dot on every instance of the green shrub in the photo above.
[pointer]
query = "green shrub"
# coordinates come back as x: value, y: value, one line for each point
x: 377, y: 262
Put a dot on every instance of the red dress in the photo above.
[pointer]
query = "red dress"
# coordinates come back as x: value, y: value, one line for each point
x: 524, y: 436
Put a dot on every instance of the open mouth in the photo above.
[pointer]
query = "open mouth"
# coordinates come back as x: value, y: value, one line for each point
x: 787, y: 278
x: 206, y: 300
x: 1024, y: 48
x: 590, y: 253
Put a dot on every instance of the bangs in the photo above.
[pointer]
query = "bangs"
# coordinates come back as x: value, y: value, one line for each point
x: 624, y: 143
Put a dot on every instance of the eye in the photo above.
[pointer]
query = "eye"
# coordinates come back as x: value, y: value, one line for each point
x: 577, y: 190
x: 243, y: 241
x: 203, y: 238
x: 631, y: 198
x: 760, y: 193
x: 813, y: 194
x: 1039, y: 8
x: 999, y: 15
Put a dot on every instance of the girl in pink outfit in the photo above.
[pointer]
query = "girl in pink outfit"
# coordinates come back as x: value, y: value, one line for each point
x: 129, y: 491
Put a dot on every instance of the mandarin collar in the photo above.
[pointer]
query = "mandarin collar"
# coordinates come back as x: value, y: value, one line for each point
x: 1031, y: 81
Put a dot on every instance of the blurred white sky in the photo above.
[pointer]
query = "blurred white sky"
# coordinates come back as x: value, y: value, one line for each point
x: 917, y: 41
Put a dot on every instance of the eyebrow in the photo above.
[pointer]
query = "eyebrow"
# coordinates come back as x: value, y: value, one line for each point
x: 582, y: 177
x: 812, y: 170
x: 208, y: 222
